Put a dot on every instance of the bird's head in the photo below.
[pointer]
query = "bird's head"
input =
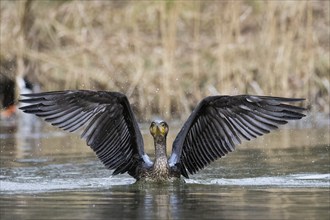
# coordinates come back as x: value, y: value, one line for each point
x: 158, y: 128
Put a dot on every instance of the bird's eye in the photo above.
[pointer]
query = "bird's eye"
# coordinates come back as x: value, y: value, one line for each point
x: 162, y: 124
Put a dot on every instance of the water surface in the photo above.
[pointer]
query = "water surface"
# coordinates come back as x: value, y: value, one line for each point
x: 49, y: 174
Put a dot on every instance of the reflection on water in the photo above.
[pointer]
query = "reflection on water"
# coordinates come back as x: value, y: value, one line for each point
x: 48, y: 174
x: 179, y: 202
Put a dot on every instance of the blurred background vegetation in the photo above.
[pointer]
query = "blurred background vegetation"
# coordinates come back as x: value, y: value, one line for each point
x: 167, y: 55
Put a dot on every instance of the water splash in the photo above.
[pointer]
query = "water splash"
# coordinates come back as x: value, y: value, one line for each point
x: 293, y: 180
x: 40, y: 185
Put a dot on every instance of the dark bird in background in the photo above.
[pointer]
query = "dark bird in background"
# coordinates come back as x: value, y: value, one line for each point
x: 8, y: 88
x: 213, y: 129
x: 7, y: 96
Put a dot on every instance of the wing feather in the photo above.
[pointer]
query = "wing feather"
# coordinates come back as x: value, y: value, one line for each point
x: 106, y: 119
x: 219, y: 123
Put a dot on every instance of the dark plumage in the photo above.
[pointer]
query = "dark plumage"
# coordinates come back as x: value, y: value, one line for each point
x: 214, y: 128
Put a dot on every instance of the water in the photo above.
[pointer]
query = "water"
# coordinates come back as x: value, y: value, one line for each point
x: 49, y: 174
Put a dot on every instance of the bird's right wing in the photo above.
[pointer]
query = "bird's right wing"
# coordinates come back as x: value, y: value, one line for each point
x: 219, y: 123
x: 108, y: 123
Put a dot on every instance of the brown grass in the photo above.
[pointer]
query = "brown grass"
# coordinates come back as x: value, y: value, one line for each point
x: 167, y: 55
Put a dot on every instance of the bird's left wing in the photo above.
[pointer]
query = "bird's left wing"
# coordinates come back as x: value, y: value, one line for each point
x: 219, y: 123
x: 109, y: 125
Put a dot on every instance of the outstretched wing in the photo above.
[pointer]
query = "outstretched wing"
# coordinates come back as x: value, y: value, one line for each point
x: 219, y: 123
x: 110, y: 127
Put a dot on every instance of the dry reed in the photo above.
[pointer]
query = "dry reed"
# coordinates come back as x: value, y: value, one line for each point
x: 167, y: 55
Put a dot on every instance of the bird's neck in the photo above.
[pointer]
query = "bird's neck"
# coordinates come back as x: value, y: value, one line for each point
x: 160, y: 151
x: 160, y: 147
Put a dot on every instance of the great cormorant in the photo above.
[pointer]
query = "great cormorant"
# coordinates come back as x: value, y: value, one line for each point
x: 213, y: 129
